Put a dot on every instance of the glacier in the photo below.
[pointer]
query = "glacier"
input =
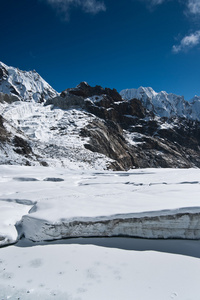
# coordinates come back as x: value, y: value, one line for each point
x: 38, y: 205
x: 173, y: 224
x: 58, y: 203
x: 57, y: 220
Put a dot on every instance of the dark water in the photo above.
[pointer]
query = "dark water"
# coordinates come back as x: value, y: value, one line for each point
x: 182, y: 247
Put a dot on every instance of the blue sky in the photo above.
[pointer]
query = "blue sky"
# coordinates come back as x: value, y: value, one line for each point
x: 114, y: 43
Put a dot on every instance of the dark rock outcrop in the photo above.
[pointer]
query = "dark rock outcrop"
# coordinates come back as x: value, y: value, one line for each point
x: 8, y: 98
x: 124, y: 131
x: 106, y: 104
x: 106, y: 137
x: 146, y: 151
x: 85, y: 90
x: 21, y: 146
x: 129, y: 134
x: 3, y: 73
x: 4, y: 134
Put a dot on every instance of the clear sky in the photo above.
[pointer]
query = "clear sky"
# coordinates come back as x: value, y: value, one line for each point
x: 114, y: 43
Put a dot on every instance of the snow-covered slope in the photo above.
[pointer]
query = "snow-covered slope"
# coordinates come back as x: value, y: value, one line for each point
x: 25, y: 85
x: 162, y: 203
x: 195, y: 103
x: 53, y: 134
x: 80, y: 129
x: 93, y: 268
x: 164, y: 104
x: 93, y: 126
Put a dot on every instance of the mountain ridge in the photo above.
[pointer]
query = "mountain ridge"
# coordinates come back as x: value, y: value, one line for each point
x: 93, y: 127
x: 25, y: 85
x: 163, y: 104
x: 30, y: 86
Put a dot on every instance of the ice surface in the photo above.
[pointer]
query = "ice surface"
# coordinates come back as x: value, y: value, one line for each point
x: 116, y: 268
x: 149, y: 203
x: 89, y: 272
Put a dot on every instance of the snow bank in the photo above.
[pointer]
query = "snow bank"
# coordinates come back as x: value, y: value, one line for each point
x: 182, y: 225
x: 58, y: 203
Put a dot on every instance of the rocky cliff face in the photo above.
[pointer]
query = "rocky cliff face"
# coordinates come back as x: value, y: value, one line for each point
x: 129, y: 134
x: 93, y: 126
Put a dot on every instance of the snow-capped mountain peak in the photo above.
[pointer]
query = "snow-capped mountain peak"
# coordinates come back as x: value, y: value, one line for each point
x: 140, y: 93
x: 26, y: 85
x: 195, y: 99
x: 163, y: 104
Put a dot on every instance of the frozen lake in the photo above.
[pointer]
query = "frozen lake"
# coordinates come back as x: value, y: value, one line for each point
x: 40, y: 203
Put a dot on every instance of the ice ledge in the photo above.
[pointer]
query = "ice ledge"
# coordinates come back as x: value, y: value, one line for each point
x: 179, y: 224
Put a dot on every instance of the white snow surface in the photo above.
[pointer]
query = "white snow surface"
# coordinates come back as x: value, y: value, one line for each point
x: 88, y: 272
x: 60, y: 196
x: 54, y: 135
x: 88, y: 269
x: 26, y: 85
x: 164, y: 104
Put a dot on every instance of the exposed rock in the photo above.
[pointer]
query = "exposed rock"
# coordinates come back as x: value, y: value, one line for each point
x: 106, y: 137
x: 5, y: 98
x: 124, y: 131
x: 130, y: 135
x: 3, y: 73
x: 21, y: 146
x: 109, y: 106
x: 167, y: 143
x: 85, y: 90
x: 4, y: 134
x: 147, y: 152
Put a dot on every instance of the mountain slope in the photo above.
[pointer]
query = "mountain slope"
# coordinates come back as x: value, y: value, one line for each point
x: 130, y: 135
x: 163, y: 104
x: 15, y: 147
x: 26, y: 86
x: 93, y: 127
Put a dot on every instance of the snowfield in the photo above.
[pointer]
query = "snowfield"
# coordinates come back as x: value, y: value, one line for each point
x: 38, y: 205
x: 88, y: 272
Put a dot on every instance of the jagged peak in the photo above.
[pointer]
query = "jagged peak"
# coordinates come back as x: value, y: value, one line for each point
x: 164, y: 104
x: 26, y: 85
x: 16, y: 68
x: 83, y: 84
x: 195, y: 99
x: 84, y: 90
x: 138, y: 93
x: 3, y: 65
